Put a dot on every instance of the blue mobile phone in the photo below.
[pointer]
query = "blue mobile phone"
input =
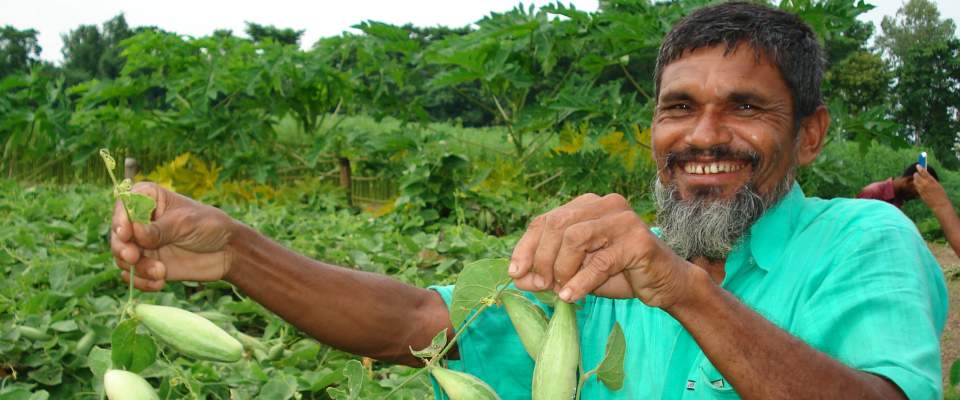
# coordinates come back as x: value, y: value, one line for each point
x: 922, y: 160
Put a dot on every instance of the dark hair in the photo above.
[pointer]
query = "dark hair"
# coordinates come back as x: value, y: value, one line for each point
x: 784, y: 38
x: 912, y: 168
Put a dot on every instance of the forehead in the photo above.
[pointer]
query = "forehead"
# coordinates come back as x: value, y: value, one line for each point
x: 715, y: 70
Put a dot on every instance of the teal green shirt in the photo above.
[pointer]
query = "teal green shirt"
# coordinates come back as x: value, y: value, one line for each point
x: 853, y: 278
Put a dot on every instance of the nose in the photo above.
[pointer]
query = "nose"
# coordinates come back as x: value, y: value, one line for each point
x: 709, y: 131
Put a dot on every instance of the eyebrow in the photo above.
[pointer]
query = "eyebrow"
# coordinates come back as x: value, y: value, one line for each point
x: 733, y: 97
x: 674, y: 96
x: 746, y: 97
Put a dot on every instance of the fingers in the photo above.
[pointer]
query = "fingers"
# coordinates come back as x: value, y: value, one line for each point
x: 120, y: 225
x: 538, y: 249
x: 148, y: 268
x: 160, y: 232
x: 522, y: 260
x: 578, y: 241
x: 146, y: 285
x: 123, y: 251
x: 597, y: 269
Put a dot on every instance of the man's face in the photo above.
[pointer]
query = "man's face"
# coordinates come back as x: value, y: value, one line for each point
x: 723, y: 122
x: 725, y: 142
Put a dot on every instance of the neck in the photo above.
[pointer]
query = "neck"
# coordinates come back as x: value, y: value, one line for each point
x: 714, y: 268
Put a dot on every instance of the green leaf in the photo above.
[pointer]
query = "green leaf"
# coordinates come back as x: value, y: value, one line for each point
x: 64, y: 326
x: 98, y: 360
x: 354, y: 373
x: 478, y: 282
x: 140, y: 206
x: 281, y: 387
x: 435, y: 347
x: 610, y: 371
x: 108, y: 160
x: 955, y: 373
x: 50, y: 375
x: 129, y: 350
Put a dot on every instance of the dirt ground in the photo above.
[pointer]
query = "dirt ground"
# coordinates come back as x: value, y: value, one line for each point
x: 950, y: 343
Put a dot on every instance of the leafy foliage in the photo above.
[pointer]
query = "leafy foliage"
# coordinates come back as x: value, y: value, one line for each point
x: 61, y: 282
x: 19, y: 50
x: 90, y: 52
x: 861, y: 81
x: 929, y: 80
x: 917, y: 21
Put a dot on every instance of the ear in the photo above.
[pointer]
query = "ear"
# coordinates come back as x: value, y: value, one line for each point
x: 813, y: 135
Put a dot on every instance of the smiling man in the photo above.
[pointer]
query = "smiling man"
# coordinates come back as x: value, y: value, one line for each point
x: 748, y: 288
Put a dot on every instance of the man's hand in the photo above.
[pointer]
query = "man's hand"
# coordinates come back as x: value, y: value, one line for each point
x: 930, y: 191
x: 598, y: 245
x: 187, y: 240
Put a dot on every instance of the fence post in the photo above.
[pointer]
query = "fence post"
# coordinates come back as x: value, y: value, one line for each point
x: 130, y: 168
x: 345, y: 180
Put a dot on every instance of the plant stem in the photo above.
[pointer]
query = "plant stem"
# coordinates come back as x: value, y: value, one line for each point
x: 633, y: 82
x: 583, y: 380
x: 133, y: 270
x: 463, y: 328
x: 435, y: 359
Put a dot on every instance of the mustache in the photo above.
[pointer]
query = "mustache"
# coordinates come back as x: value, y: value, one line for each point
x: 721, y: 153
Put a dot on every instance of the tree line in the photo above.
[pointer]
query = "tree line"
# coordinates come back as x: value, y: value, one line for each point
x: 531, y: 71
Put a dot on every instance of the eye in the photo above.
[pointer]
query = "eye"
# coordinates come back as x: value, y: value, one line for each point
x: 747, y: 109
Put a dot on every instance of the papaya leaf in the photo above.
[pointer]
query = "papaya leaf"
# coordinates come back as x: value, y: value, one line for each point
x: 436, y: 346
x: 477, y: 283
x: 130, y: 350
x: 610, y: 371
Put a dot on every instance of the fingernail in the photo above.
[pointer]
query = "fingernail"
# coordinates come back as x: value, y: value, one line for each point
x: 539, y: 282
x: 513, y: 269
x: 565, y: 294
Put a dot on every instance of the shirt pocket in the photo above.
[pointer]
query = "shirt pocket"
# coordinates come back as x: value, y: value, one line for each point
x: 713, y: 386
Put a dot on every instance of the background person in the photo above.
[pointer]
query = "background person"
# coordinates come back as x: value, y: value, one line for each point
x: 897, y: 190
x: 931, y: 192
x: 921, y: 183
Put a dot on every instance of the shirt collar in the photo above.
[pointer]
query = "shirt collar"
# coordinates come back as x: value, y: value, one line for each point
x: 771, y: 233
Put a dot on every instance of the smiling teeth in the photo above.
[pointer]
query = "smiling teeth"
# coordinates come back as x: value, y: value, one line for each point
x: 711, y: 168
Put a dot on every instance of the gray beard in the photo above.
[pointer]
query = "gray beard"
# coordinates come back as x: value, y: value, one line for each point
x: 709, y: 228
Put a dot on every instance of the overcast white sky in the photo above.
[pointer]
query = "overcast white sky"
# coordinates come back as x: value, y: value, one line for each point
x: 318, y: 18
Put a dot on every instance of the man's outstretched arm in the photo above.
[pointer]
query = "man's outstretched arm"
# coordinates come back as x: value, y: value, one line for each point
x: 355, y: 311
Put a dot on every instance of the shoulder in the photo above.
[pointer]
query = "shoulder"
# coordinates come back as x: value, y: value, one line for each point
x: 853, y: 216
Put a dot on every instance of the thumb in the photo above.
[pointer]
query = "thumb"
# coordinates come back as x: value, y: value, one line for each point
x: 158, y: 233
